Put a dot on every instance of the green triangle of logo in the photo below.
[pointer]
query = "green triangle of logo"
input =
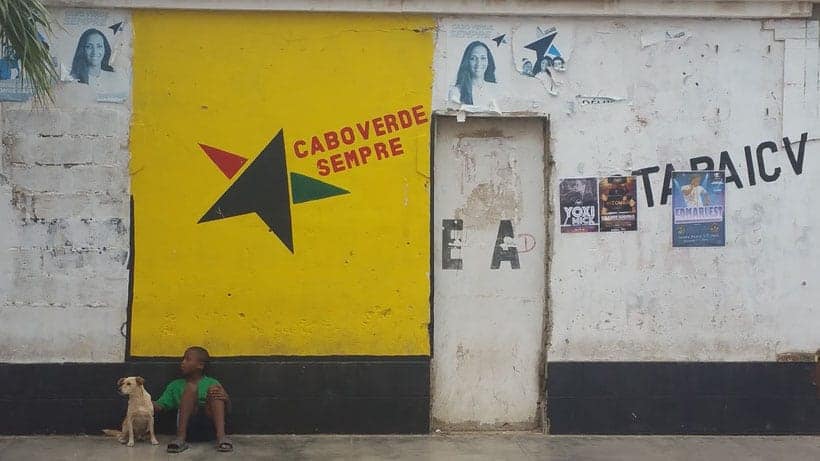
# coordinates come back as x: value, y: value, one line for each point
x: 306, y: 189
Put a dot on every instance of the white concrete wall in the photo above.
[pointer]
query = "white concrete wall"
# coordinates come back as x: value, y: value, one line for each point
x: 705, y: 87
x: 64, y: 228
x: 678, y: 89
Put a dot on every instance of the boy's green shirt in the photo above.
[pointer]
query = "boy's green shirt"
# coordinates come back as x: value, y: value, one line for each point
x: 170, y: 398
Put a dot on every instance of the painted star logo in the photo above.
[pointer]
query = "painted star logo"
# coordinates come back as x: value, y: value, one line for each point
x: 263, y: 188
x: 116, y: 27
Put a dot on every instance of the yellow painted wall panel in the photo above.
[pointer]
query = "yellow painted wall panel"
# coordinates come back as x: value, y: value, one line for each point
x: 357, y: 281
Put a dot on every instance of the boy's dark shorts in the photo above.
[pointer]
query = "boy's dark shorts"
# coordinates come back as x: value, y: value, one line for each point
x: 200, y: 426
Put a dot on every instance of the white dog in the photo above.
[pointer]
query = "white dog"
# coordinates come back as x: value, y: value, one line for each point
x: 139, y: 418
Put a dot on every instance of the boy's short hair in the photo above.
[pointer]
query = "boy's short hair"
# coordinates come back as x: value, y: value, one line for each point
x: 201, y: 354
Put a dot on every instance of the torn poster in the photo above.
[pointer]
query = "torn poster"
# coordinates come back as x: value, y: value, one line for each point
x: 499, y: 65
x: 13, y: 87
x: 619, y: 207
x: 698, y: 209
x: 578, y: 200
x: 597, y: 100
x: 541, y: 58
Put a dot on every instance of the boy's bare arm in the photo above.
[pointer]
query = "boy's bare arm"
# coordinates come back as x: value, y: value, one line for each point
x: 157, y: 407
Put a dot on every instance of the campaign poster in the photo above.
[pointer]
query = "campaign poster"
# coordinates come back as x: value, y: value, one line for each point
x: 89, y: 49
x: 698, y: 209
x: 490, y: 65
x: 578, y: 199
x: 619, y: 209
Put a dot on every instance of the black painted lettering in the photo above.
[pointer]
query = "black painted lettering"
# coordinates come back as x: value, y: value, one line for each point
x: 704, y: 160
x: 505, y: 249
x: 647, y: 186
x: 450, y: 243
x: 761, y: 166
x: 667, y: 181
x: 750, y: 166
x: 797, y: 163
x: 727, y: 164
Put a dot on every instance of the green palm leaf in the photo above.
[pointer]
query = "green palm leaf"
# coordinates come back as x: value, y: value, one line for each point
x: 20, y: 24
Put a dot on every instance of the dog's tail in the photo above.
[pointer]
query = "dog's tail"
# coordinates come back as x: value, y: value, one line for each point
x: 112, y: 432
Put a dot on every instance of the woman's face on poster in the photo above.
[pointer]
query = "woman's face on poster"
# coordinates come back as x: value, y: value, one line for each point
x: 478, y: 62
x: 94, y: 50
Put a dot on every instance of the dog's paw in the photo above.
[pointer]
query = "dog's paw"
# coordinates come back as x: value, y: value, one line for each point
x: 154, y: 442
x: 130, y: 444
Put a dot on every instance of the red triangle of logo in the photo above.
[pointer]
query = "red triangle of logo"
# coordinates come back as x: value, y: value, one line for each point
x: 227, y: 162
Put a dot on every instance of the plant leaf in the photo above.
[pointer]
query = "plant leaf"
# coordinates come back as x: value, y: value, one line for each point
x: 21, y: 22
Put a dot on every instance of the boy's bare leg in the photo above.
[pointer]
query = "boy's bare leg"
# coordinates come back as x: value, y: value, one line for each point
x: 187, y: 407
x: 216, y: 411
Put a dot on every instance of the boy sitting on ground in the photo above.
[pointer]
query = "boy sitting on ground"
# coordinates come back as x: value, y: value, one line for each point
x: 202, y: 403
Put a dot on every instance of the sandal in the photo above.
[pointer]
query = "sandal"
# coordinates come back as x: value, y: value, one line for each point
x: 177, y: 446
x: 224, y: 445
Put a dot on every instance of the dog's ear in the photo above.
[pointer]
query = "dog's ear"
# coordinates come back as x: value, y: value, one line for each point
x: 120, y: 381
x: 140, y: 381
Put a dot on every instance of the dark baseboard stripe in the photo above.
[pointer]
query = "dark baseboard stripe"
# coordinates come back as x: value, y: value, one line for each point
x: 709, y: 398
x: 381, y: 395
x: 378, y: 395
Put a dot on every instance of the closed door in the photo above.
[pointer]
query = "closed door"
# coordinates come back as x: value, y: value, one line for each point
x: 489, y: 272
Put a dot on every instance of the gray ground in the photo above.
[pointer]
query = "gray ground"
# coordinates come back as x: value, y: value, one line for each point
x: 517, y: 446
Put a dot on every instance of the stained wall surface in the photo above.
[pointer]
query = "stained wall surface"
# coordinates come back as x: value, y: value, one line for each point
x: 643, y: 96
x: 64, y: 211
x: 255, y: 239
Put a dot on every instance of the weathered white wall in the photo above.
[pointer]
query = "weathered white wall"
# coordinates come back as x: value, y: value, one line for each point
x: 64, y: 228
x: 488, y: 331
x: 717, y: 86
x: 722, y: 85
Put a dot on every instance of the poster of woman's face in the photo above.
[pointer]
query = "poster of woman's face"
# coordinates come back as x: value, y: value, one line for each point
x: 475, y: 74
x: 91, y: 52
x: 93, y: 56
x: 473, y: 79
x: 477, y: 63
x: 499, y: 65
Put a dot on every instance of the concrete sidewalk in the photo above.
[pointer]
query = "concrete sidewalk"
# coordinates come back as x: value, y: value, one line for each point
x: 512, y: 446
